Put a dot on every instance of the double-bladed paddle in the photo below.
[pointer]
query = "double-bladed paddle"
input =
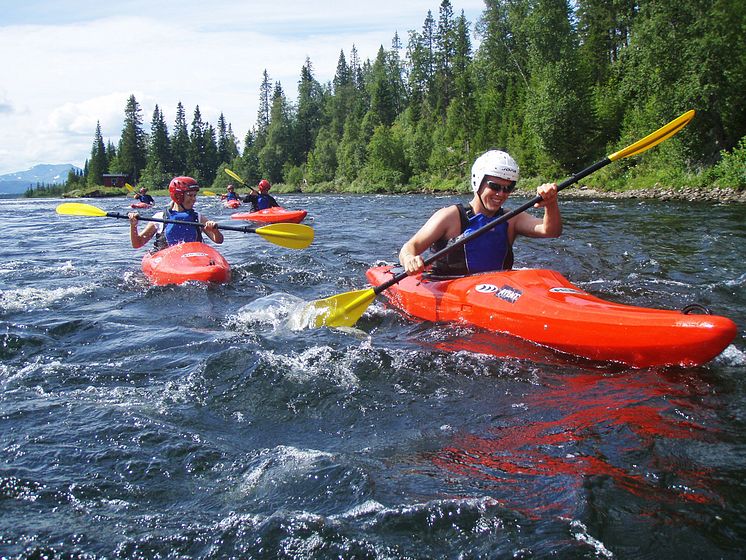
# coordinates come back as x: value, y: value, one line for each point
x: 237, y: 178
x: 344, y: 310
x: 292, y: 236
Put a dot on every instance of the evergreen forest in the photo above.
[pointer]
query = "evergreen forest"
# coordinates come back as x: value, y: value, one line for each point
x: 557, y: 83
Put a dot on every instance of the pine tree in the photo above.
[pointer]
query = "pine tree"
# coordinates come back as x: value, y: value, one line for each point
x: 309, y: 116
x: 381, y: 90
x: 197, y: 148
x: 443, y: 55
x: 277, y: 150
x: 159, y: 147
x: 98, y: 163
x: 227, y: 144
x: 132, y: 151
x: 155, y: 175
x: 265, y: 104
x: 179, y: 143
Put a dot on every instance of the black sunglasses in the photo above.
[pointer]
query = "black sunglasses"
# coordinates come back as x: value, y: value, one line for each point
x: 501, y: 188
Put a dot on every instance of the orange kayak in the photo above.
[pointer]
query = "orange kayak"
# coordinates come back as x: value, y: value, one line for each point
x: 274, y: 215
x: 140, y: 205
x: 186, y: 261
x: 232, y: 203
x: 541, y: 306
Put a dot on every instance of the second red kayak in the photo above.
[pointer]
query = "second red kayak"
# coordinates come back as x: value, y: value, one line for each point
x: 184, y: 262
x: 543, y: 307
x: 274, y: 215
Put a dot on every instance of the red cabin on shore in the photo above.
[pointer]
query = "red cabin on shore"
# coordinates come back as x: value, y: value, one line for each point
x: 115, y: 179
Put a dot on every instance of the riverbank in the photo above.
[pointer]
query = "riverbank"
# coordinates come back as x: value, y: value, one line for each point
x: 692, y: 194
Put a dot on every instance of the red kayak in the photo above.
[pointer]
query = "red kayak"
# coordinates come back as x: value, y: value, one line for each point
x: 186, y: 261
x: 232, y: 203
x: 541, y: 306
x: 140, y: 205
x: 274, y: 215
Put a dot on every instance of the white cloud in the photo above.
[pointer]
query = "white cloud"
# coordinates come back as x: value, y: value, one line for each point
x: 62, y: 76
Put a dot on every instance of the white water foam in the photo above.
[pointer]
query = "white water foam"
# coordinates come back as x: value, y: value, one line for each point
x: 30, y: 299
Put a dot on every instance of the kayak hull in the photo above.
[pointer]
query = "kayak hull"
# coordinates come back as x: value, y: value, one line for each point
x: 140, y: 205
x: 232, y: 203
x: 545, y: 308
x: 184, y: 262
x: 274, y: 215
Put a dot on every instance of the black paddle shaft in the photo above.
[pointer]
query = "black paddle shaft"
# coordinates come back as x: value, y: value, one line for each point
x: 486, y: 227
x: 244, y: 229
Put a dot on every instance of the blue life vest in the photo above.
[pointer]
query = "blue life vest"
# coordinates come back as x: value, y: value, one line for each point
x: 263, y: 201
x: 173, y: 234
x: 490, y: 251
x: 231, y: 196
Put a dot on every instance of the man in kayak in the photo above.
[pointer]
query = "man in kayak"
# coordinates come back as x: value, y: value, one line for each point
x: 183, y: 191
x: 493, y: 177
x: 144, y: 197
x: 230, y: 194
x: 261, y: 199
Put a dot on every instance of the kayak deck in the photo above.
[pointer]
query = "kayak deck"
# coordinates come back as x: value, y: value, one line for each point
x: 274, y: 215
x: 184, y: 262
x: 543, y: 307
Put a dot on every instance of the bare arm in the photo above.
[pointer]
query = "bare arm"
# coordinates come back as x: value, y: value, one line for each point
x: 440, y: 225
x: 551, y: 224
x: 212, y: 231
x: 139, y: 239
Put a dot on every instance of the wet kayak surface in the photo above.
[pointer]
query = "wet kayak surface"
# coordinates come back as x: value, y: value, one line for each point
x: 198, y: 421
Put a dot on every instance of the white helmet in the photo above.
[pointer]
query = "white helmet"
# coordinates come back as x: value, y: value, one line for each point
x: 495, y: 163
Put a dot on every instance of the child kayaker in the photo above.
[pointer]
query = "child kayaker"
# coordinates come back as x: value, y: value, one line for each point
x: 183, y: 192
x: 493, y: 177
x: 230, y: 194
x: 144, y: 197
x: 260, y: 197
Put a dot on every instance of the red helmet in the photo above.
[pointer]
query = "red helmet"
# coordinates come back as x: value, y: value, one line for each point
x: 180, y: 185
x: 264, y: 185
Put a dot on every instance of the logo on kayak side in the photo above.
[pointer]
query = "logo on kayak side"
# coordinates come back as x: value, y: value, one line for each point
x: 486, y: 288
x: 193, y: 254
x: 566, y: 291
x: 507, y: 293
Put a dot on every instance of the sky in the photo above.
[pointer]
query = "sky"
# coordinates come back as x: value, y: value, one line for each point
x: 66, y: 64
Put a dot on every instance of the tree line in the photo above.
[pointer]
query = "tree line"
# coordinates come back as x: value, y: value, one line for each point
x: 558, y: 84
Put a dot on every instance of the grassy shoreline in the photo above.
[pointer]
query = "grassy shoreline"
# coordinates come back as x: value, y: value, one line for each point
x: 711, y: 194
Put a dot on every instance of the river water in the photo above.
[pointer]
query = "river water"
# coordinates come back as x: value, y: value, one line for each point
x: 193, y: 422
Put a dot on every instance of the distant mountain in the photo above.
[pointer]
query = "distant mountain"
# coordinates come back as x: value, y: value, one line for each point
x: 45, y: 174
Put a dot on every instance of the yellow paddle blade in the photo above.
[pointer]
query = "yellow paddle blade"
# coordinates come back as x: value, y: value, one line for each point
x: 235, y: 176
x: 209, y: 193
x: 79, y: 209
x: 342, y: 310
x: 663, y: 133
x: 293, y: 236
x: 129, y: 187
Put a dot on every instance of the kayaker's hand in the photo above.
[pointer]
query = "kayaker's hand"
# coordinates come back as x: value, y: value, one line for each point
x: 548, y: 194
x: 211, y: 226
x: 133, y: 217
x: 413, y: 264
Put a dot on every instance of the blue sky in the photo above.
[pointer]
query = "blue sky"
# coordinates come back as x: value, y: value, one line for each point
x: 66, y: 64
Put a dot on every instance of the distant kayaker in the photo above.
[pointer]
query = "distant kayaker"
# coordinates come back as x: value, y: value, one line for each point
x: 144, y: 197
x: 260, y: 197
x: 230, y: 194
x: 183, y: 192
x: 493, y: 177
